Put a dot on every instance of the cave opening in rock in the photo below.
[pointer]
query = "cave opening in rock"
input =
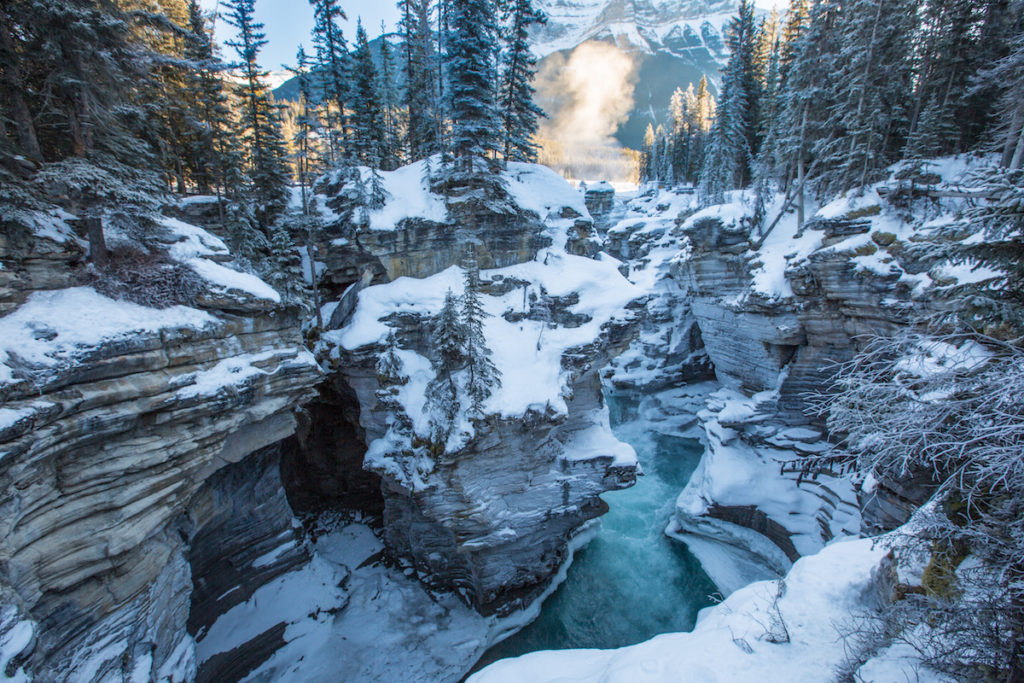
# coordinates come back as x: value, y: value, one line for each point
x: 322, y: 464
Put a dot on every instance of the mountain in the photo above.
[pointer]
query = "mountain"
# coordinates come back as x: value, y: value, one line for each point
x: 687, y: 29
x: 670, y: 44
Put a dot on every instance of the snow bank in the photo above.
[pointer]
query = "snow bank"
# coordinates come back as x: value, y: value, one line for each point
x: 201, y: 251
x: 50, y: 328
x: 603, y: 294
x: 732, y: 641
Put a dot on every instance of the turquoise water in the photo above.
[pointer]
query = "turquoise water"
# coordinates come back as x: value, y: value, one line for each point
x: 631, y: 582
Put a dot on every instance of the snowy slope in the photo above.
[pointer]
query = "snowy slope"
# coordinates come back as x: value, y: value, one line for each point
x: 674, y: 25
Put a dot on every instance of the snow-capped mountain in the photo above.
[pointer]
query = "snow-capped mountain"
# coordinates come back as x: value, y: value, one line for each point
x: 669, y: 44
x: 685, y: 28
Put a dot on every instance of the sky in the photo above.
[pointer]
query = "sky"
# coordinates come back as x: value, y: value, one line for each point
x: 287, y: 23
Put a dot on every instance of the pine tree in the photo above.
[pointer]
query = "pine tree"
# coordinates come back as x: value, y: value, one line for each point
x: 869, y: 118
x: 367, y: 115
x: 308, y: 131
x: 389, y: 365
x: 449, y: 342
x: 333, y: 67
x: 727, y: 158
x: 519, y: 112
x: 391, y: 155
x: 741, y: 36
x: 471, y: 177
x: 217, y: 158
x: 422, y: 129
x: 261, y: 124
x: 484, y: 377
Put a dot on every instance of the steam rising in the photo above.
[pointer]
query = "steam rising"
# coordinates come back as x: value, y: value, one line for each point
x: 587, y: 96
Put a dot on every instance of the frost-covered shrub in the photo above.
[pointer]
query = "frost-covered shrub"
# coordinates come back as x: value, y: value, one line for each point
x: 147, y: 279
x: 951, y: 407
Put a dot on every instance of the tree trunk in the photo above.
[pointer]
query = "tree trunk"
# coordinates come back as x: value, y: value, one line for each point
x: 97, y: 243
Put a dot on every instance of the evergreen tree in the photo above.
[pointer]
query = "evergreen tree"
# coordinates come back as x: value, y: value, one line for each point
x: 869, y: 119
x: 332, y: 67
x: 741, y: 36
x: 389, y: 365
x: 367, y: 115
x: 260, y: 122
x: 391, y: 154
x: 520, y: 114
x: 484, y: 377
x: 727, y: 158
x: 422, y: 129
x: 308, y: 131
x: 449, y: 342
x: 471, y: 177
x: 217, y: 159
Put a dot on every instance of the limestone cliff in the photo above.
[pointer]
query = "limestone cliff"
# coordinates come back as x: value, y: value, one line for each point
x: 114, y: 418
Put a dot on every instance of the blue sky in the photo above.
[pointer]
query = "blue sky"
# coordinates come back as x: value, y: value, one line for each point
x: 288, y: 22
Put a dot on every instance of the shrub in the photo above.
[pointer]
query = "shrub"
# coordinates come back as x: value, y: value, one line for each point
x: 141, y: 277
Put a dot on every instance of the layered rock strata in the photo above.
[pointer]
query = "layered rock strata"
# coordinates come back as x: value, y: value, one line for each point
x: 105, y: 446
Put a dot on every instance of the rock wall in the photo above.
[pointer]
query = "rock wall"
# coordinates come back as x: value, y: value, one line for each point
x: 102, y: 463
x: 492, y: 520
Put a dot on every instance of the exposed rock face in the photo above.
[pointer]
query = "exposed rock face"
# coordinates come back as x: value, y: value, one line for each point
x: 600, y: 200
x: 492, y: 520
x: 774, y: 349
x: 100, y: 470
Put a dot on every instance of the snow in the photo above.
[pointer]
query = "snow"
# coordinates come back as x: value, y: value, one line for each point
x: 237, y: 370
x: 936, y: 357
x: 195, y: 245
x: 15, y: 639
x: 967, y: 273
x: 192, y: 241
x: 530, y: 344
x: 408, y: 197
x: 350, y: 618
x: 198, y: 199
x: 229, y: 279
x: 51, y: 327
x: 785, y: 244
x: 729, y: 642
x: 539, y: 189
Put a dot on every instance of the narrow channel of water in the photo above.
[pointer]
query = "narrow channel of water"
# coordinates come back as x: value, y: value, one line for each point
x: 631, y: 582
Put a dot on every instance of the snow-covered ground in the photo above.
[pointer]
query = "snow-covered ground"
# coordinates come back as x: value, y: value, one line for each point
x: 788, y: 630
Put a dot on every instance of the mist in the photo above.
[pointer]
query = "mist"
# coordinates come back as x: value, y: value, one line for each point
x: 587, y: 96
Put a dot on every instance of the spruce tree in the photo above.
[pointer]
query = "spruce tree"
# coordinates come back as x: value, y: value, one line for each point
x: 260, y: 121
x: 391, y: 154
x: 216, y: 156
x: 367, y: 115
x: 519, y: 112
x: 449, y: 341
x: 471, y: 177
x: 332, y: 67
x: 422, y: 138
x: 484, y: 377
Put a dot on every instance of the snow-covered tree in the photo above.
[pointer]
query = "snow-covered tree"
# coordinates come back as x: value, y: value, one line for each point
x: 449, y: 342
x: 367, y: 115
x: 520, y: 113
x: 484, y: 376
x: 260, y: 121
x: 472, y: 176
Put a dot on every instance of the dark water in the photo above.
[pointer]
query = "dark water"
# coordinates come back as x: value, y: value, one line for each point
x: 631, y: 582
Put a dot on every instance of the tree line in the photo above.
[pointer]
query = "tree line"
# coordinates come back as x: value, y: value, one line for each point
x: 826, y: 98
x: 120, y: 101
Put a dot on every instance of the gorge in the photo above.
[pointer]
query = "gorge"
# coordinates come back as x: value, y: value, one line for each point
x: 252, y: 502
